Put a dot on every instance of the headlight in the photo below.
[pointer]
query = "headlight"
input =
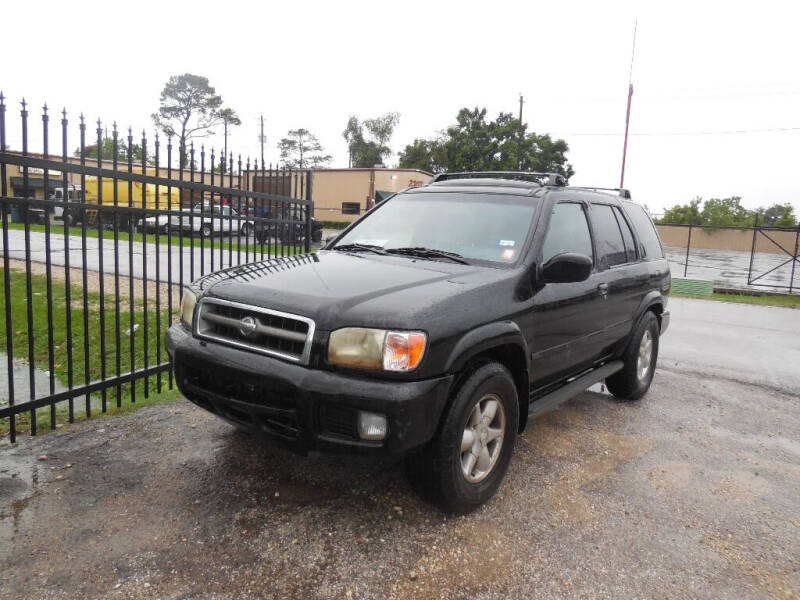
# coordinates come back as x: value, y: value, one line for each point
x: 362, y: 348
x: 188, y: 302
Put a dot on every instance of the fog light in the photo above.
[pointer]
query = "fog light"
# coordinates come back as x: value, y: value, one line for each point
x: 371, y: 426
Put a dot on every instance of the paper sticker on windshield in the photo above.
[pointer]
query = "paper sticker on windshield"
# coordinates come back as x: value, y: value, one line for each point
x: 380, y: 243
x: 508, y: 254
x: 507, y: 243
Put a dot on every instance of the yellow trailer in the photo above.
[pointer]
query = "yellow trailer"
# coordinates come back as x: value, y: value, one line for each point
x: 135, y: 194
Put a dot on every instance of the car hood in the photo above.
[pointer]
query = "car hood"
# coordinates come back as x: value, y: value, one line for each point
x: 338, y: 289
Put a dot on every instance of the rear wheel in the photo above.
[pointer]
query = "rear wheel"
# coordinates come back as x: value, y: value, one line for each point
x: 640, y: 357
x: 206, y: 230
x: 464, y: 465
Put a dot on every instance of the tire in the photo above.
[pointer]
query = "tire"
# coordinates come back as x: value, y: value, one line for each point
x: 440, y: 471
x: 633, y: 381
x: 68, y: 218
x: 206, y: 231
x: 247, y: 230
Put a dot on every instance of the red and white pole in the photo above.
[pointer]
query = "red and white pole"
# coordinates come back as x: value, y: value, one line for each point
x: 625, y: 143
x: 628, y: 110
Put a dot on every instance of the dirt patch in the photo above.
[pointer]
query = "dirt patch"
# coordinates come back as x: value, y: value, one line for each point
x: 603, y: 499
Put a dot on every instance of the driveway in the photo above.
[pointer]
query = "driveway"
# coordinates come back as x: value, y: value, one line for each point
x: 691, y: 492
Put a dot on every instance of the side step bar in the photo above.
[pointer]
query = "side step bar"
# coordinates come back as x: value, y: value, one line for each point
x: 573, y: 388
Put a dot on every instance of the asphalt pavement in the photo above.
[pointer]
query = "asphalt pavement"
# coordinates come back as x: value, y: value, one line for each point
x: 192, y: 262
x: 691, y: 492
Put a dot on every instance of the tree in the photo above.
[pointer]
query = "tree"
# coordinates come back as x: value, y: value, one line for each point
x: 301, y: 149
x: 727, y: 212
x: 715, y: 212
x: 189, y: 108
x: 778, y: 215
x: 229, y: 117
x: 107, y: 147
x: 368, y: 141
x: 787, y: 218
x: 473, y: 144
x: 684, y: 214
x: 419, y: 155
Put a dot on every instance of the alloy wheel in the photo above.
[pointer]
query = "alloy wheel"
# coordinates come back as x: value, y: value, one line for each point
x: 482, y: 440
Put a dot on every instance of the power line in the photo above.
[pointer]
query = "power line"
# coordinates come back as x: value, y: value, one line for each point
x: 674, y: 133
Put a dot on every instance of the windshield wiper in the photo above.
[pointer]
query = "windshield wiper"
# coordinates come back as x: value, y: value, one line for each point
x: 428, y: 253
x: 360, y: 248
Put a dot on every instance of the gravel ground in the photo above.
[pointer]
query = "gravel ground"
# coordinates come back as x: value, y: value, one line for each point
x: 692, y: 492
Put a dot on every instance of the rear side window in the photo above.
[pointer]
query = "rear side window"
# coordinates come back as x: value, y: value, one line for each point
x: 651, y: 245
x: 627, y: 235
x: 568, y: 232
x: 608, y: 237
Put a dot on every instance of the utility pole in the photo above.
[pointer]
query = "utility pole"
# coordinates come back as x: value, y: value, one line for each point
x: 262, y: 138
x: 225, y: 122
x: 519, y: 135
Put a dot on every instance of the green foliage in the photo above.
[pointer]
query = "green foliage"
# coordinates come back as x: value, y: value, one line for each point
x: 229, y: 116
x: 107, y: 146
x: 368, y: 141
x: 683, y: 214
x: 190, y: 108
x: 778, y: 215
x: 301, y: 149
x: 787, y: 218
x: 475, y: 144
x: 727, y: 212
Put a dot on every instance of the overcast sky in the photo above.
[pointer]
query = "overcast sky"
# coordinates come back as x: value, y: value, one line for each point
x: 700, y: 69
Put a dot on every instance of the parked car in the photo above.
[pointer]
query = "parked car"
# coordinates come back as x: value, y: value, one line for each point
x: 284, y: 222
x: 205, y: 219
x: 434, y: 327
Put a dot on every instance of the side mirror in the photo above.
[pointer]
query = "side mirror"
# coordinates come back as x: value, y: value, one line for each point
x: 568, y: 267
x: 328, y: 240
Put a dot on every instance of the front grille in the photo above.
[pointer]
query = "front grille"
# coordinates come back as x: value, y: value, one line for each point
x: 257, y: 329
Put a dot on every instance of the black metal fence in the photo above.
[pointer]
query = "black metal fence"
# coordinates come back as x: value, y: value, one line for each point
x: 93, y: 269
x: 736, y: 257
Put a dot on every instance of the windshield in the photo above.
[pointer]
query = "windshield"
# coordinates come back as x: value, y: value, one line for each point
x: 490, y: 227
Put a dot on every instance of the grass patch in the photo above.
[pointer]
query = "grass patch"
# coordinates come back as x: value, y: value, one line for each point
x: 131, y: 325
x: 786, y: 301
x: 274, y: 248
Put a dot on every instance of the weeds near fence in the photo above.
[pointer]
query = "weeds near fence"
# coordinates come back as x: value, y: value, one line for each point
x: 115, y: 356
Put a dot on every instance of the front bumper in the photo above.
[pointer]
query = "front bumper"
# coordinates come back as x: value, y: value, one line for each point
x: 309, y: 409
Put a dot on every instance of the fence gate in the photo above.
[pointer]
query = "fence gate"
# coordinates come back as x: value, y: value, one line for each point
x: 785, y: 263
x: 98, y: 240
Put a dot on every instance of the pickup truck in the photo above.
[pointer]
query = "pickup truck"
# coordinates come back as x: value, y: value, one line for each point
x: 206, y: 219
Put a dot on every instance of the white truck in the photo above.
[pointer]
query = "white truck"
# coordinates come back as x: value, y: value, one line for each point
x: 74, y: 193
x: 201, y: 219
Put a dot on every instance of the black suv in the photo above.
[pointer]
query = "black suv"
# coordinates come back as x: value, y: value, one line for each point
x: 435, y: 326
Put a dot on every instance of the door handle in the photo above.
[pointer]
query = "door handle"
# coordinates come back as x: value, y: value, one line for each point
x: 603, y: 289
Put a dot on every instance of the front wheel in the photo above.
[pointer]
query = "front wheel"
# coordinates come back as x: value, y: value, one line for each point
x: 206, y: 231
x: 640, y: 357
x: 247, y: 230
x: 464, y: 465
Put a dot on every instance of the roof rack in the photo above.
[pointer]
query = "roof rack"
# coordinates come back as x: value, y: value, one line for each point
x: 541, y: 178
x: 621, y: 192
